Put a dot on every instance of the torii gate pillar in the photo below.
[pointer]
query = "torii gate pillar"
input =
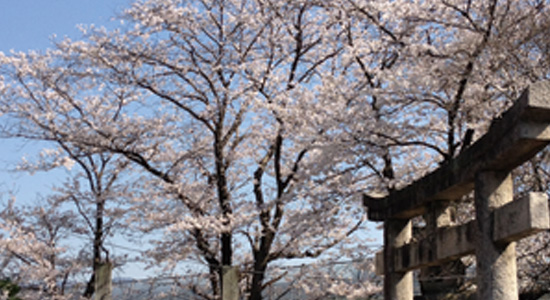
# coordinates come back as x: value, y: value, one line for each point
x: 496, y: 261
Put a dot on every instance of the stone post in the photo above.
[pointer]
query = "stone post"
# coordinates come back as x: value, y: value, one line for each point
x: 496, y: 262
x: 437, y: 282
x: 103, y: 282
x: 230, y: 283
x: 397, y: 285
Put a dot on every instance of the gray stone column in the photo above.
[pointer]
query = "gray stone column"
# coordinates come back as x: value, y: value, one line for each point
x: 397, y: 285
x: 438, y: 282
x: 496, y: 262
x: 230, y: 285
x: 103, y: 282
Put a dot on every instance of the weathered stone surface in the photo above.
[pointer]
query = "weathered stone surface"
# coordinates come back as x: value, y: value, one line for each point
x: 495, y: 261
x: 512, y: 139
x: 230, y: 285
x: 103, y: 282
x: 398, y: 285
x: 512, y: 221
x: 519, y: 219
x: 445, y: 245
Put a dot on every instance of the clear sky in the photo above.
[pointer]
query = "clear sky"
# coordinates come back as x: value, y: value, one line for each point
x: 30, y: 24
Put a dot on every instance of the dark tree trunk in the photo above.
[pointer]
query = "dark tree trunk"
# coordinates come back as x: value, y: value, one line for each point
x: 97, y: 246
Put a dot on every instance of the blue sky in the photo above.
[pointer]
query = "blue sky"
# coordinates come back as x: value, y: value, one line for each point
x: 29, y: 24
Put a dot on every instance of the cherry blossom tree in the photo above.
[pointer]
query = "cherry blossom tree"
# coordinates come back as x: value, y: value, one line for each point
x: 32, y: 250
x: 100, y: 204
x: 255, y: 124
x: 74, y: 222
x: 213, y: 113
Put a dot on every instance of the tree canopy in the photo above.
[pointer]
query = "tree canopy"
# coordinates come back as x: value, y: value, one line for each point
x: 245, y: 130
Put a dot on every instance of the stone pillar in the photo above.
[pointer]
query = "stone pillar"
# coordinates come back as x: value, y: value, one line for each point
x: 230, y: 283
x: 438, y: 282
x: 103, y: 282
x: 397, y: 285
x: 496, y: 262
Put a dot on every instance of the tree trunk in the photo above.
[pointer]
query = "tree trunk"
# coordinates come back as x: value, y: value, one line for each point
x: 98, y: 244
x: 225, y: 205
x: 260, y: 265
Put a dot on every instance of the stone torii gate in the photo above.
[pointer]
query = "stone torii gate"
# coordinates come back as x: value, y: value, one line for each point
x: 500, y: 220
